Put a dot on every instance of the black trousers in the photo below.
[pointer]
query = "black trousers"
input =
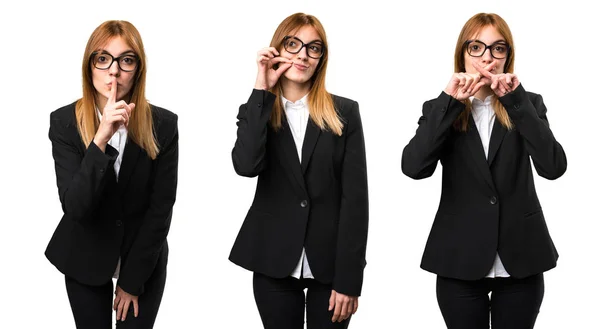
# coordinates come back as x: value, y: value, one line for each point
x: 92, y: 305
x: 514, y: 303
x: 281, y: 303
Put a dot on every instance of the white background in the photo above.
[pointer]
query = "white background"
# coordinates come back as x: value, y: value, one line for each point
x: 389, y: 58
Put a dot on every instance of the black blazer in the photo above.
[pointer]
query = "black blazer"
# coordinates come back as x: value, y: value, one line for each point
x: 320, y: 204
x: 487, y: 206
x: 104, y: 219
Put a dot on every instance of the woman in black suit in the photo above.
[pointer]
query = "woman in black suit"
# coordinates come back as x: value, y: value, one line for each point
x: 307, y: 226
x: 116, y: 169
x: 489, y: 234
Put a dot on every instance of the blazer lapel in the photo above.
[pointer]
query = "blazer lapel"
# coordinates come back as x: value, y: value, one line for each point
x: 308, y: 145
x: 290, y: 155
x: 130, y: 157
x: 476, y: 148
x: 498, y: 133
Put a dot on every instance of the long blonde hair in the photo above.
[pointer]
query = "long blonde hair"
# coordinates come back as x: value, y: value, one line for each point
x: 471, y: 27
x: 140, y: 128
x: 320, y: 102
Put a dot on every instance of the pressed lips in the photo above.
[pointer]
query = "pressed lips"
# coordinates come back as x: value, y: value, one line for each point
x: 300, y: 67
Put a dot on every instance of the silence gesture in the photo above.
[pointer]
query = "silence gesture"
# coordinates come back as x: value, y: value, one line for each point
x: 267, y: 73
x: 114, y: 115
x: 501, y: 84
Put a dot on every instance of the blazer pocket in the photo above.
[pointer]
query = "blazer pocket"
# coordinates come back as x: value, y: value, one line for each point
x: 532, y: 213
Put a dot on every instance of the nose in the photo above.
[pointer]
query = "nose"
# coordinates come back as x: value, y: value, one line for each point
x: 487, y: 55
x: 114, y: 69
x: 303, y: 53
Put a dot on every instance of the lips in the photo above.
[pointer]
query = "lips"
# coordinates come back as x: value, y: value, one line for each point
x: 300, y: 67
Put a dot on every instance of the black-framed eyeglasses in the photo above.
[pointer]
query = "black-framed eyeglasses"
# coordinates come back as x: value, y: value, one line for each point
x: 314, y: 49
x: 498, y: 50
x: 104, y: 60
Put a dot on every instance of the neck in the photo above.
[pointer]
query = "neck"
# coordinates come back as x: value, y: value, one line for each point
x: 293, y: 91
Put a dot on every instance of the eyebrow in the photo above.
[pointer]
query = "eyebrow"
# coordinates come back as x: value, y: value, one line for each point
x: 497, y: 41
x: 315, y: 40
x: 126, y: 52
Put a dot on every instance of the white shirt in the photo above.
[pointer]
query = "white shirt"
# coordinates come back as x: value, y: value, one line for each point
x: 484, y: 117
x: 297, y: 116
x: 118, y: 141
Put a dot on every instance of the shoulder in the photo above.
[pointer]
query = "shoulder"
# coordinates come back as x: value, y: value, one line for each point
x: 165, y: 123
x: 65, y: 114
x: 346, y: 107
x: 163, y: 116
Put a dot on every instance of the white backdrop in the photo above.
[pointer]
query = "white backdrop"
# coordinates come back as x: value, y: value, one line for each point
x: 389, y: 58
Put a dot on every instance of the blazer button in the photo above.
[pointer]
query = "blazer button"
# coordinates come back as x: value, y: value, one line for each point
x: 102, y: 170
x: 304, y: 203
x: 493, y: 200
x: 443, y: 109
x: 259, y: 105
x: 119, y: 222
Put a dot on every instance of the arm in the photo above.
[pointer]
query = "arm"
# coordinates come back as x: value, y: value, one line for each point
x: 249, y: 151
x: 80, y: 178
x: 530, y: 121
x: 420, y: 156
x: 144, y: 252
x: 354, y: 211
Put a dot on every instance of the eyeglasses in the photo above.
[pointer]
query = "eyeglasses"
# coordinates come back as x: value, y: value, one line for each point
x: 476, y: 48
x: 293, y: 45
x: 103, y: 61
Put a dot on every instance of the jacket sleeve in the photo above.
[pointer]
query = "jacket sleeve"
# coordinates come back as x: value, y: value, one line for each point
x: 529, y: 118
x: 150, y: 239
x: 249, y: 151
x: 354, y: 210
x: 80, y: 177
x: 421, y: 155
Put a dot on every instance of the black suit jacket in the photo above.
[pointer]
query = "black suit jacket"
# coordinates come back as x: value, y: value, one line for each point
x: 104, y: 219
x: 487, y: 206
x: 320, y: 204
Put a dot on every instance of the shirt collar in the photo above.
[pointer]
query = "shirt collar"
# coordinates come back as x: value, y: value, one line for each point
x: 476, y: 102
x: 301, y: 103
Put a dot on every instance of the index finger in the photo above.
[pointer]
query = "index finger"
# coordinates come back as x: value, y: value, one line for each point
x: 482, y: 70
x: 113, y: 91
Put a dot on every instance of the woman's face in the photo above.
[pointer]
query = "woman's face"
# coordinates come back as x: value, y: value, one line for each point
x: 487, y: 37
x: 301, y: 48
x: 113, y: 61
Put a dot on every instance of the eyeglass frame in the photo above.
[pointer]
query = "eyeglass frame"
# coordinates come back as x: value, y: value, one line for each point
x: 508, y: 48
x: 114, y: 59
x: 304, y: 45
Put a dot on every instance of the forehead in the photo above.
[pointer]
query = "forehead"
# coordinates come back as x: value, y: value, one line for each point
x: 306, y: 33
x: 488, y: 34
x: 116, y: 46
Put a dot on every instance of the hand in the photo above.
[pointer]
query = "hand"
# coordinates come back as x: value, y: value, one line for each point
x: 114, y: 115
x: 501, y: 84
x: 267, y: 76
x: 122, y: 302
x: 344, y: 306
x: 464, y: 85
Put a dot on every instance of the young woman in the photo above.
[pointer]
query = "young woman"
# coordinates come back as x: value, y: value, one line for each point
x: 307, y: 226
x: 489, y: 234
x: 116, y: 169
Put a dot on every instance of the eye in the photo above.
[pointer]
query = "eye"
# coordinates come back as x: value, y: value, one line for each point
x: 102, y: 59
x: 474, y: 47
x: 316, y: 48
x: 292, y: 43
x: 129, y: 60
x: 500, y: 49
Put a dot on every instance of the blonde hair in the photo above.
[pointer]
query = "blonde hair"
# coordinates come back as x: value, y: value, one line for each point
x: 140, y: 128
x: 320, y: 102
x: 472, y: 27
